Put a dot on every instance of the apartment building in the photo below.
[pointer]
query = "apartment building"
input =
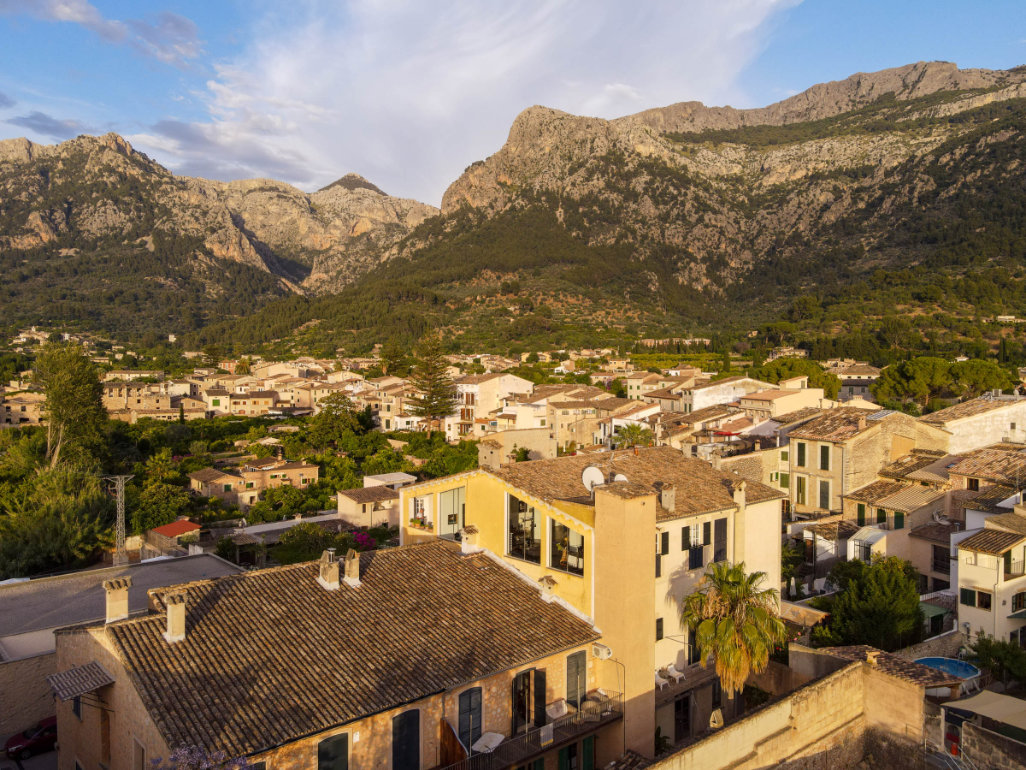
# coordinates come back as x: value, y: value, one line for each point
x: 980, y: 422
x: 621, y: 537
x: 21, y: 408
x: 405, y: 658
x: 992, y: 581
x: 244, y: 486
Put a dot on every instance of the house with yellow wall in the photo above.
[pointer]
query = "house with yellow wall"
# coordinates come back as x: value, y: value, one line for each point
x: 621, y: 537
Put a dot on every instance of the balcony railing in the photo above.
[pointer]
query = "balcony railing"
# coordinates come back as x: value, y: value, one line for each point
x: 1015, y: 568
x: 558, y: 732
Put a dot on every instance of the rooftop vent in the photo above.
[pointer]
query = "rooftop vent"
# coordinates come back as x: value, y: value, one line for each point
x: 175, y: 617
x: 327, y: 570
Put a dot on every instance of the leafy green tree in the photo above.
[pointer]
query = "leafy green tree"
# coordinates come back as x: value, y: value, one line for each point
x: 1006, y: 660
x: 158, y: 504
x: 394, y: 360
x: 631, y: 435
x: 74, y: 411
x: 436, y: 393
x: 878, y: 605
x: 975, y: 377
x: 735, y: 621
x: 162, y: 468
x: 336, y: 417
x: 306, y: 542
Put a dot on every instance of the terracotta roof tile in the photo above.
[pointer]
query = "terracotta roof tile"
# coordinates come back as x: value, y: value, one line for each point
x: 894, y: 665
x: 375, y: 494
x: 969, y: 408
x: 992, y: 541
x: 838, y: 424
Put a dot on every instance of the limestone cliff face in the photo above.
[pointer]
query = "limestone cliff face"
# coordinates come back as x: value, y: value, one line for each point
x: 100, y: 188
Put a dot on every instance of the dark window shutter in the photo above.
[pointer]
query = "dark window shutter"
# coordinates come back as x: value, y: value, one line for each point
x: 685, y: 538
x: 470, y: 716
x: 720, y: 540
x: 575, y: 678
x: 564, y: 758
x: 539, y: 697
x: 406, y: 740
x: 664, y: 543
x: 333, y: 753
x: 706, y: 533
x: 588, y: 753
x: 659, y: 629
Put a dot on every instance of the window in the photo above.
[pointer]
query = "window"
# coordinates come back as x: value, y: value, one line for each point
x: 659, y: 629
x: 664, y: 543
x: 941, y: 559
x: 528, y: 711
x: 685, y: 538
x: 783, y: 456
x: 470, y: 716
x: 824, y: 494
x: 862, y: 550
x: 76, y: 707
x: 524, y: 531
x: 567, y: 549
x: 406, y: 740
x: 452, y: 508
x: 861, y: 514
x: 785, y: 480
x: 249, y: 485
x: 568, y: 758
x: 682, y: 718
x: 1019, y: 601
x: 215, y: 402
x: 799, y: 492
x: 706, y: 532
x: 967, y: 596
x: 881, y: 516
x: 973, y: 485
x: 696, y: 557
x: 824, y: 458
x: 227, y: 487
x: 983, y: 600
x: 694, y: 653
x: 800, y: 461
x: 576, y: 678
x: 720, y: 540
x: 899, y: 520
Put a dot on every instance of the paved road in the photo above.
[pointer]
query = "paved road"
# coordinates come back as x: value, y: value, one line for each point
x: 47, y: 761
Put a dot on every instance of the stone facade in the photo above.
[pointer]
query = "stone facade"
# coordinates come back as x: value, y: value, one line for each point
x: 25, y: 681
x: 989, y: 751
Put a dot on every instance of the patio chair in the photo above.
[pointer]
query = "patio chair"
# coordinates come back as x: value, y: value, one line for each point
x: 487, y: 743
x: 676, y: 675
x: 660, y: 682
x: 559, y: 708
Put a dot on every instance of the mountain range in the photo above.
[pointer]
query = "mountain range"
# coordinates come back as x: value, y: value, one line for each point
x: 671, y: 220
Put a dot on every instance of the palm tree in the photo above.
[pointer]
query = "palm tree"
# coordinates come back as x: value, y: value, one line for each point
x: 735, y: 621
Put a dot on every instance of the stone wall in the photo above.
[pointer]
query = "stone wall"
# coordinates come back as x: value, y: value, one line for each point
x: 25, y: 696
x: 941, y: 646
x: 988, y: 750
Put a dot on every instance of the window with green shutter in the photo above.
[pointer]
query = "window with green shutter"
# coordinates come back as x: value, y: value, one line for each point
x: 861, y: 514
x: 801, y: 455
x: 588, y: 753
x: 899, y: 520
x: 333, y: 753
x: 967, y: 596
x: 824, y: 458
x: 785, y: 481
x: 881, y: 516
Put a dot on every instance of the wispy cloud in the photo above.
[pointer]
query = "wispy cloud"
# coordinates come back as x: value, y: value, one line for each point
x: 47, y: 125
x: 408, y: 93
x: 169, y: 37
x: 5, y: 101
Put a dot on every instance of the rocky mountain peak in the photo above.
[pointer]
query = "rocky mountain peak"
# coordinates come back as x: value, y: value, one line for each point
x: 353, y: 181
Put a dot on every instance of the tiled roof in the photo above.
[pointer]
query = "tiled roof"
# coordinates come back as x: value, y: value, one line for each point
x: 698, y: 487
x: 878, y: 490
x: 375, y: 494
x: 969, y: 408
x: 806, y: 413
x: 915, y: 460
x: 889, y: 663
x: 989, y: 498
x: 176, y: 528
x: 270, y: 656
x: 1010, y: 522
x: 79, y: 680
x: 911, y: 498
x: 210, y: 474
x: 838, y: 424
x: 769, y: 395
x: 991, y: 541
x: 708, y: 413
x: 998, y: 465
x: 935, y: 532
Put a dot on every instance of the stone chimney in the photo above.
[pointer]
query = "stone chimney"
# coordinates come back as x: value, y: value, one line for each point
x: 547, y: 583
x: 352, y: 568
x: 327, y: 570
x: 117, y: 598
x: 872, y: 656
x: 468, y: 540
x: 737, y: 490
x: 175, y: 617
x: 862, y: 422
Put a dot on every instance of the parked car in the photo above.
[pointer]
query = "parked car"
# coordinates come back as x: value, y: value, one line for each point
x: 35, y: 740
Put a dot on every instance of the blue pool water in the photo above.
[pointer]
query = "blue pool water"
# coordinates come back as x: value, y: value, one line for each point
x: 951, y: 666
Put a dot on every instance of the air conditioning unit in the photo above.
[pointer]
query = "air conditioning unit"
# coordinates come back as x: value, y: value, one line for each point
x: 601, y: 652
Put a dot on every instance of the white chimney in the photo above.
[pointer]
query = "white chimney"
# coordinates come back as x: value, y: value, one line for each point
x: 352, y: 568
x: 327, y: 570
x: 468, y: 540
x: 117, y: 598
x: 175, y: 617
x: 547, y: 583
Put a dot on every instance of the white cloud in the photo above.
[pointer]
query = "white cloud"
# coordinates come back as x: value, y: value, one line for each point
x: 409, y: 93
x: 170, y: 38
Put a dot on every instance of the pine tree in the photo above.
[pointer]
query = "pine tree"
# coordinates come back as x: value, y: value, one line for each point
x: 435, y: 399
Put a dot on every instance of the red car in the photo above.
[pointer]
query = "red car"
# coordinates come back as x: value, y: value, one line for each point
x: 35, y: 740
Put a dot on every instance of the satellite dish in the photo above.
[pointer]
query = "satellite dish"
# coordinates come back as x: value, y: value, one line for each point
x: 592, y: 477
x: 619, y: 477
x: 716, y: 719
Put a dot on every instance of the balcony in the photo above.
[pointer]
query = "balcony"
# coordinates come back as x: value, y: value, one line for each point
x: 557, y: 733
x: 1015, y: 568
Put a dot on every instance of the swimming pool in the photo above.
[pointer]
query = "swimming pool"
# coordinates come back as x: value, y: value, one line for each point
x: 951, y: 666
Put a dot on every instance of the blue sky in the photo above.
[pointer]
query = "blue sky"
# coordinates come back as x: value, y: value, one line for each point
x: 409, y: 93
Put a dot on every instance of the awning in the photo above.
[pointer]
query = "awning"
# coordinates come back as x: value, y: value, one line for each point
x: 993, y: 705
x: 78, y: 681
x: 1020, y: 615
x: 932, y: 610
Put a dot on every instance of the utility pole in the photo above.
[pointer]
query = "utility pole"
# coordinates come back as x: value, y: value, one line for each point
x: 120, y: 554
